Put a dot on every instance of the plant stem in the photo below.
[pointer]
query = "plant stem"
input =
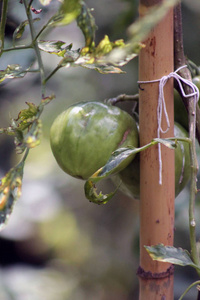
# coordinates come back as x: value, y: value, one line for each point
x: 51, y: 74
x: 36, y: 48
x: 3, y: 24
x: 18, y: 48
x: 193, y: 190
x: 24, y: 156
x: 42, y: 29
x: 187, y: 290
x: 30, y: 3
x: 123, y: 97
x: 179, y: 60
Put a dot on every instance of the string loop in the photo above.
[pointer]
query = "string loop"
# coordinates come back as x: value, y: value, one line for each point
x: 161, y: 108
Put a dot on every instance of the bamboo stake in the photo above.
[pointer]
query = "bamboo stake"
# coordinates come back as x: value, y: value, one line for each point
x: 157, y: 200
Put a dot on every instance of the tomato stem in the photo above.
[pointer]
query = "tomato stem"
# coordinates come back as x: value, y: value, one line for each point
x: 3, y: 24
x: 122, y: 98
x: 35, y: 46
x: 194, y: 127
x: 180, y: 60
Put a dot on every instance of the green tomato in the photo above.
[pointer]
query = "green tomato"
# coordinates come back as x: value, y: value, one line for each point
x: 196, y: 80
x: 180, y: 112
x: 84, y: 136
x: 130, y: 176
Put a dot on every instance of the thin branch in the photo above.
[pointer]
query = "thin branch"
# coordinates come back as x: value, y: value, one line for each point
x: 23, y: 47
x: 180, y: 60
x: 190, y: 104
x: 189, y: 288
x: 52, y: 73
x: 43, y: 28
x: 36, y: 48
x: 3, y: 24
x: 30, y: 3
x: 122, y: 98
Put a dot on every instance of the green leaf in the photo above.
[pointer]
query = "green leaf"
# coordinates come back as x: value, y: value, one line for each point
x: 119, y: 159
x: 27, y: 128
x: 104, y: 47
x: 92, y: 196
x: 12, y: 71
x: 19, y: 140
x: 100, y: 58
x: 170, y: 254
x: 120, y: 56
x: 116, y: 163
x: 86, y: 22
x: 10, y: 191
x: 32, y: 137
x: 27, y: 116
x: 102, y: 69
x: 20, y: 29
x: 54, y: 47
x: 105, y: 56
x: 68, y: 12
x: 171, y: 144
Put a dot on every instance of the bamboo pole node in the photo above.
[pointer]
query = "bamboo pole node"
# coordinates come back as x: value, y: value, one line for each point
x: 149, y: 275
x: 161, y: 108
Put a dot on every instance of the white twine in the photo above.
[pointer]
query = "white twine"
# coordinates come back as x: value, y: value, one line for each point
x: 161, y: 108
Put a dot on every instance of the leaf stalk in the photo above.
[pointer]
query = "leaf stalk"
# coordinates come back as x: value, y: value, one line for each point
x: 194, y: 128
x: 3, y: 24
x: 189, y: 288
x: 35, y: 46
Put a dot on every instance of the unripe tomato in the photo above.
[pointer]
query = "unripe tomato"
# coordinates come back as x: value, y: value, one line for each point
x: 182, y: 160
x: 84, y: 136
x: 180, y: 112
x: 196, y: 80
x: 130, y: 176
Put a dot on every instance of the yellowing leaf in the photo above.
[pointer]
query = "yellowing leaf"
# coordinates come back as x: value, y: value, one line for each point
x: 27, y: 116
x: 92, y: 196
x: 86, y: 22
x: 54, y: 47
x: 10, y: 191
x: 170, y: 254
x: 68, y: 12
x: 12, y: 71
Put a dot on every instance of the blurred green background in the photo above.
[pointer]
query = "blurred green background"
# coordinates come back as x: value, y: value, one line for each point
x: 57, y: 245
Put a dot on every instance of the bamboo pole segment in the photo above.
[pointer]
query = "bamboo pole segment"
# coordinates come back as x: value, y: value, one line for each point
x: 156, y: 200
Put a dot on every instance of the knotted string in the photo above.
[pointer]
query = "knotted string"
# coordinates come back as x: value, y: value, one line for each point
x: 161, y: 108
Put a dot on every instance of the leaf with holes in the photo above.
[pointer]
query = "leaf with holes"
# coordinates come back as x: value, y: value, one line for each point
x: 27, y: 116
x: 54, y: 47
x: 12, y: 71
